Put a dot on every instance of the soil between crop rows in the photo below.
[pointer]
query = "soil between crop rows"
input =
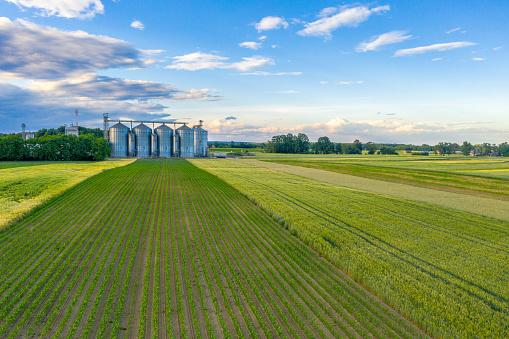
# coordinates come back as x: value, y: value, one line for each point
x: 160, y: 248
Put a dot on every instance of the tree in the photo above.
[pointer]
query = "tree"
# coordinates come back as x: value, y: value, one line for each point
x: 388, y: 150
x: 466, y: 147
x: 323, y: 146
x: 371, y: 147
x: 288, y: 143
x: 357, y: 144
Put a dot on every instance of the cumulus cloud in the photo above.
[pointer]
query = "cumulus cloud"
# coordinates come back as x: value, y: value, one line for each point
x: 377, y: 41
x: 138, y: 25
x: 497, y: 48
x: 271, y: 22
x: 262, y: 38
x: 437, y: 59
x: 37, y: 52
x: 82, y: 9
x: 251, y: 45
x: 269, y: 73
x: 478, y: 59
x: 197, y: 61
x: 332, y: 18
x: 324, y: 82
x: 343, y: 130
x: 433, y: 48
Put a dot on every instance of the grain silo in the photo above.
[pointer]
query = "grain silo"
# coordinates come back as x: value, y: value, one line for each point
x: 143, y: 133
x: 165, y: 139
x: 118, y: 140
x: 131, y: 144
x: 200, y: 141
x: 154, y: 140
x: 186, y: 141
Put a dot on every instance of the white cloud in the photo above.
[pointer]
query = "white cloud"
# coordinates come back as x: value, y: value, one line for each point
x: 432, y: 48
x: 31, y: 51
x: 271, y: 22
x: 437, y: 59
x: 251, y: 45
x: 453, y: 30
x: 350, y: 82
x: 262, y: 38
x: 343, y: 130
x: 274, y: 46
x: 497, y: 48
x: 83, y: 9
x: 251, y: 63
x: 287, y: 92
x: 269, y: 73
x: 347, y: 16
x: 196, y: 61
x: 478, y: 59
x: 324, y: 82
x: 138, y: 25
x: 378, y: 41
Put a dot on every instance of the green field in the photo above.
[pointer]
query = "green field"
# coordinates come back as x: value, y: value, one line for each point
x: 160, y: 248
x: 446, y: 270
x: 227, y: 150
x: 25, y: 185
x: 460, y: 176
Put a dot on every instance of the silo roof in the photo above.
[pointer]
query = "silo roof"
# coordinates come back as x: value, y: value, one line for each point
x: 141, y: 126
x: 163, y: 127
x: 183, y: 127
x: 119, y: 125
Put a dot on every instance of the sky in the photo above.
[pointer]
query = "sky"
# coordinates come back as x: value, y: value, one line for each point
x: 384, y: 71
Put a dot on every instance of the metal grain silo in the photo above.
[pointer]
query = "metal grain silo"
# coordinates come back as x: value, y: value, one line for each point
x: 131, y: 145
x: 154, y: 151
x: 200, y: 141
x: 142, y: 133
x: 186, y: 141
x: 118, y: 140
x: 165, y: 139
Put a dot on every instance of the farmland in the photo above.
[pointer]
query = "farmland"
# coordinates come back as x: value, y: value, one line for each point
x: 160, y: 248
x: 25, y: 185
x: 446, y: 175
x: 444, y: 269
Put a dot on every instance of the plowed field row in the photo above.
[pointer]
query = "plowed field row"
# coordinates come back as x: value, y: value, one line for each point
x: 164, y: 249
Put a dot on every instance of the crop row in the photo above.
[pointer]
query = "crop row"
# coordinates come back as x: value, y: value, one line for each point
x: 161, y: 248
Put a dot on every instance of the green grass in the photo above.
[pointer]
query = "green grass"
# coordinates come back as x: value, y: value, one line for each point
x: 227, y: 150
x: 441, y: 174
x: 26, y: 185
x: 144, y: 251
x: 444, y: 269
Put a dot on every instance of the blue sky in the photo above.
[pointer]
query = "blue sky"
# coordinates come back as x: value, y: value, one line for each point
x: 395, y: 71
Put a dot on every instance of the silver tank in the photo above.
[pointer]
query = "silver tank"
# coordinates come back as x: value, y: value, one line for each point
x: 165, y: 140
x: 131, y: 145
x: 186, y: 141
x: 142, y: 133
x: 200, y: 141
x: 118, y: 140
x: 154, y: 151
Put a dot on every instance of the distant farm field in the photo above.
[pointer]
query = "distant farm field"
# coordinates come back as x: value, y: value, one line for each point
x: 25, y: 185
x: 160, y: 248
x: 460, y: 176
x: 446, y: 270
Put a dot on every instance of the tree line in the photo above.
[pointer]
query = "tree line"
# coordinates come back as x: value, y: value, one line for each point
x: 58, y: 147
x: 300, y: 143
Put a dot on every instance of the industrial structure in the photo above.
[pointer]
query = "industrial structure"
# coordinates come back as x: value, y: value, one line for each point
x: 162, y: 141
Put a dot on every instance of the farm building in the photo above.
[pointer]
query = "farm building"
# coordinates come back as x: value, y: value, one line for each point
x: 162, y: 141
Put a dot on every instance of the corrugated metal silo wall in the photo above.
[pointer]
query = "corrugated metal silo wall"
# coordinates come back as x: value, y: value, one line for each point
x: 142, y: 133
x: 165, y: 140
x: 154, y: 151
x: 118, y: 140
x: 200, y: 142
x: 131, y: 144
x: 186, y: 136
